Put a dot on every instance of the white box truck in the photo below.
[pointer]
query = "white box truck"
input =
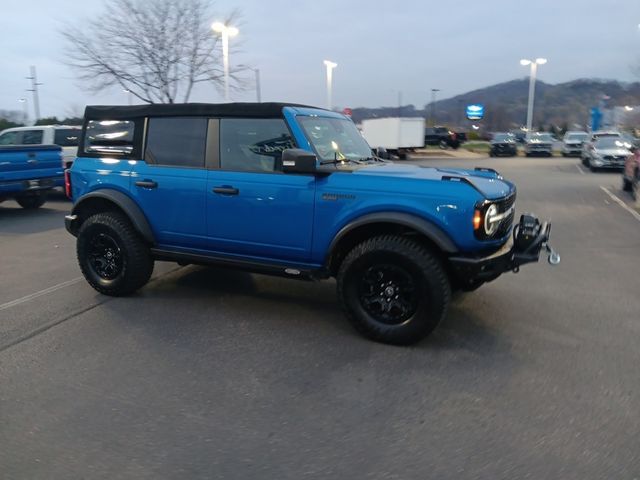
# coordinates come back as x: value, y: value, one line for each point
x: 398, y: 136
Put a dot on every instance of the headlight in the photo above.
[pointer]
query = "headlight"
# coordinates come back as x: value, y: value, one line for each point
x: 491, y: 223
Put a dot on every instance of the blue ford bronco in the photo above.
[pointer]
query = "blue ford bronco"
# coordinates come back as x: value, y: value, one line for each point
x: 289, y: 190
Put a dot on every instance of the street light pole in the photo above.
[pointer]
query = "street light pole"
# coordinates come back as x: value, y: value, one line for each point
x: 433, y: 105
x: 258, y: 93
x: 532, y: 88
x: 24, y: 102
x: 330, y: 66
x: 225, y: 32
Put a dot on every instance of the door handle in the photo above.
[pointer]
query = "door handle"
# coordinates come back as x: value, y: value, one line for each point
x: 147, y: 184
x: 226, y: 190
x: 33, y: 160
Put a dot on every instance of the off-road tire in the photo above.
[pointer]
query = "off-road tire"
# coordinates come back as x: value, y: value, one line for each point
x: 134, y: 255
x: 432, y: 289
x: 31, y: 202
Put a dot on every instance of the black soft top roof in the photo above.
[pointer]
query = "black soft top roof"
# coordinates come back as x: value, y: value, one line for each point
x: 254, y: 110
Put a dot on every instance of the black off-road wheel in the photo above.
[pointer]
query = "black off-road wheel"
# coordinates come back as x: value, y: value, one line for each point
x: 31, y: 202
x: 393, y: 290
x: 113, y: 257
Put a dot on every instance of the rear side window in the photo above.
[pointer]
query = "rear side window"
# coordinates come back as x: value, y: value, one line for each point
x: 176, y: 141
x: 66, y: 137
x: 110, y: 137
x: 8, y: 138
x: 31, y: 137
x: 252, y: 144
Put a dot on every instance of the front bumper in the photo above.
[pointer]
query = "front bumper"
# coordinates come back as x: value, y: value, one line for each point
x: 525, y: 247
x: 603, y: 162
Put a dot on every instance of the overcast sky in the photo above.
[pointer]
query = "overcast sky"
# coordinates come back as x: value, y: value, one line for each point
x: 381, y: 47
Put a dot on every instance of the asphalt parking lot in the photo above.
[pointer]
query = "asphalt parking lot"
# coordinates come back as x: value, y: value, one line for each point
x: 208, y: 373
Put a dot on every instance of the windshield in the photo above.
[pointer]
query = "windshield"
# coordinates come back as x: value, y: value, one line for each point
x: 335, y: 138
x: 542, y: 137
x: 503, y: 137
x: 577, y: 137
x: 611, y: 143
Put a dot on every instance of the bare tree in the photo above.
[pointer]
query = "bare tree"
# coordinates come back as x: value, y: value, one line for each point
x: 156, y: 49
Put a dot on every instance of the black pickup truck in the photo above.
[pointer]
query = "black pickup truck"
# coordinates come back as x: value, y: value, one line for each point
x: 443, y: 137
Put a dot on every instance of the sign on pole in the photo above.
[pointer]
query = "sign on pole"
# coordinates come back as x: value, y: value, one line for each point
x: 475, y: 111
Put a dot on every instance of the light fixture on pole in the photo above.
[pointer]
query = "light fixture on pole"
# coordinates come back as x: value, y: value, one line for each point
x: 128, y: 92
x: 225, y: 31
x: 532, y: 87
x: 330, y: 66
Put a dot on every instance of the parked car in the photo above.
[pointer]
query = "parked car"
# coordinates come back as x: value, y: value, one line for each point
x: 539, y: 144
x: 593, y: 137
x: 294, y: 191
x: 503, y: 144
x: 572, y: 143
x: 607, y: 152
x: 29, y: 172
x: 65, y: 136
x: 631, y: 173
x: 441, y: 136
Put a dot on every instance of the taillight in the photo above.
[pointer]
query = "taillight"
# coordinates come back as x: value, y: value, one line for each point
x: 67, y: 183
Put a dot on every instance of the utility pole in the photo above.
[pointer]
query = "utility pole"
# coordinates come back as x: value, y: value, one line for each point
x: 399, y: 103
x: 34, y: 90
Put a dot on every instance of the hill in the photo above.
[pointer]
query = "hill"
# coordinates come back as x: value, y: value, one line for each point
x: 506, y: 103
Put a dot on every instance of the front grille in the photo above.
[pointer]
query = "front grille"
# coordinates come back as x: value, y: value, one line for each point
x: 615, y: 158
x: 503, y: 206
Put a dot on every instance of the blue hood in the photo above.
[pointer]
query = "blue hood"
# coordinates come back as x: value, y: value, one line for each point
x: 488, y: 182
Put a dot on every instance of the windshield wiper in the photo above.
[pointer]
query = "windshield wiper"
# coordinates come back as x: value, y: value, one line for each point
x: 336, y: 161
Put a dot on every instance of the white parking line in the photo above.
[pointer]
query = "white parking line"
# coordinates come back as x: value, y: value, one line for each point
x: 580, y: 169
x: 635, y: 214
x: 46, y: 291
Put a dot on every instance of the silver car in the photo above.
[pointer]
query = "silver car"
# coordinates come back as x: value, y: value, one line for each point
x: 593, y: 138
x: 607, y: 152
x: 572, y: 143
x: 539, y: 144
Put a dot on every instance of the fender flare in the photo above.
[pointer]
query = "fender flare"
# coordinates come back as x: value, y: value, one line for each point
x: 126, y: 204
x: 425, y: 227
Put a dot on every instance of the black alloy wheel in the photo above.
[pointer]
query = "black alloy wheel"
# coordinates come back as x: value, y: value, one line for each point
x: 388, y: 293
x: 393, y: 289
x: 113, y: 257
x: 105, y: 256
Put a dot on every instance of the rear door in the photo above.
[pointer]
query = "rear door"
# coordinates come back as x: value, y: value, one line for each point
x: 169, y: 184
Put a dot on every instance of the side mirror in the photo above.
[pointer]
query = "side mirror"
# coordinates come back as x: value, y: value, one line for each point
x: 296, y: 160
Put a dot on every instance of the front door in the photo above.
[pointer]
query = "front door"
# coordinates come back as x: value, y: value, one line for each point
x: 253, y: 209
